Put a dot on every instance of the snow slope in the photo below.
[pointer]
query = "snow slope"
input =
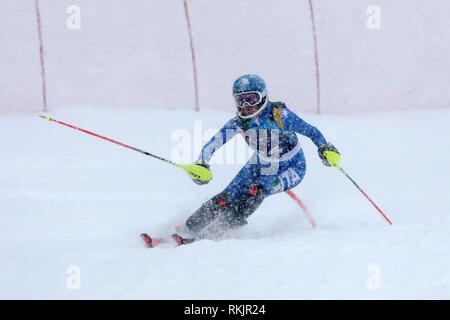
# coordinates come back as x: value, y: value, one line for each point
x: 69, y: 199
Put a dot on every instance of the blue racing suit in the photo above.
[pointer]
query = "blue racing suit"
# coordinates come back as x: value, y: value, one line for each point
x: 278, y: 163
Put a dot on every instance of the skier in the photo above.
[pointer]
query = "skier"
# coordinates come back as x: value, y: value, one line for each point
x: 277, y: 165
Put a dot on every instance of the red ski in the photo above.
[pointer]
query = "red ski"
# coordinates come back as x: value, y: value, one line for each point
x: 154, y: 242
x: 149, y: 241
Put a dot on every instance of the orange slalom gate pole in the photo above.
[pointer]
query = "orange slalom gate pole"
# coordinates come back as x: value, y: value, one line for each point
x: 305, y: 210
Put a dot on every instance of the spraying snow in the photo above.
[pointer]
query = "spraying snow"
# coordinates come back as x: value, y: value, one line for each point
x: 70, y: 201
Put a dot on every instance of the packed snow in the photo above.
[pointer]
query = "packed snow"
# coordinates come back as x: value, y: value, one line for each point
x: 72, y: 207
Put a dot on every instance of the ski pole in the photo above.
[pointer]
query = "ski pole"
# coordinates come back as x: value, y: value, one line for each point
x: 193, y: 170
x: 334, y: 159
x: 305, y: 210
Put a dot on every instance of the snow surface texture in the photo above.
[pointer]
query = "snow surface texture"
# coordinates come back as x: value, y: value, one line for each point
x: 70, y: 199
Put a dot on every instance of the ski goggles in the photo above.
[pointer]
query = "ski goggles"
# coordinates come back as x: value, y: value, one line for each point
x: 252, y: 98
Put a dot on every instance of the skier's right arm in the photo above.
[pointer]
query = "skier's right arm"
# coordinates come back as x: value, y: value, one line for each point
x: 227, y: 132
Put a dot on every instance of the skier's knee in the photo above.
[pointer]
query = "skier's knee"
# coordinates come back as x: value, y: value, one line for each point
x: 208, y: 212
x: 252, y: 200
x: 230, y: 214
x: 245, y: 206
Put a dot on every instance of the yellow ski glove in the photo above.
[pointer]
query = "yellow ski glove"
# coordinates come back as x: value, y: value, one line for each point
x: 329, y: 154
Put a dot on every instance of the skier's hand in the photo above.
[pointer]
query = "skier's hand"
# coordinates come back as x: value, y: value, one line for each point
x: 205, y: 165
x: 329, y: 154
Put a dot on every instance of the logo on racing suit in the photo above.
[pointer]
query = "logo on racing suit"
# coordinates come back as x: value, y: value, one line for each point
x: 286, y: 180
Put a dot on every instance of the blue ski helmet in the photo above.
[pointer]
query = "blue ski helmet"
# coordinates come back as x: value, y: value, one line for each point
x: 250, y: 94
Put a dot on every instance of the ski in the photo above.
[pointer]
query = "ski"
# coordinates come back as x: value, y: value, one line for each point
x: 180, y: 240
x: 175, y: 238
x: 214, y: 229
x: 149, y: 241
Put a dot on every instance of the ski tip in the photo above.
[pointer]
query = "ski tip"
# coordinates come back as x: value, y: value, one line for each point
x: 177, y: 239
x: 150, y: 243
x: 180, y: 240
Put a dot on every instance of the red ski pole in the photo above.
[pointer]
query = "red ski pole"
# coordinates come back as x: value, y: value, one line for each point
x: 362, y: 191
x: 333, y: 159
x: 193, y: 170
x: 305, y: 210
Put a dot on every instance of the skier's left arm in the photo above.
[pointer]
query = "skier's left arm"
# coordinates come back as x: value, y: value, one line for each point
x: 327, y: 152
